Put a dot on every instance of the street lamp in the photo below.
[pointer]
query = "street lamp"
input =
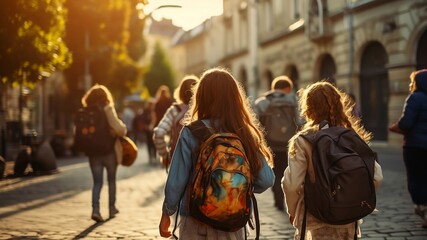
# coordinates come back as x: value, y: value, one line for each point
x: 143, y: 16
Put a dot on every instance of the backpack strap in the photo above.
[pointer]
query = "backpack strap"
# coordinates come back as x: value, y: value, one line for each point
x: 200, y: 130
x: 256, y: 213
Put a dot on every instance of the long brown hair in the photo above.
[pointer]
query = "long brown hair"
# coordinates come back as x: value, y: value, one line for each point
x: 219, y: 97
x: 322, y: 101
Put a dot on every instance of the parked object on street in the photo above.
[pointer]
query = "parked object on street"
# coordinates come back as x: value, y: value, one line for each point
x: 166, y: 133
x: 413, y: 125
x: 220, y: 103
x: 44, y: 160
x: 130, y: 151
x: 22, y: 161
x: 99, y: 99
x: 319, y: 103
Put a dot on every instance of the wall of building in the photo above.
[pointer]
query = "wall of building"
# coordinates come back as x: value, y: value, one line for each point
x: 365, y: 47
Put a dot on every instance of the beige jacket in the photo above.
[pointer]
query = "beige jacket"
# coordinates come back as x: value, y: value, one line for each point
x: 118, y: 128
x: 293, y: 185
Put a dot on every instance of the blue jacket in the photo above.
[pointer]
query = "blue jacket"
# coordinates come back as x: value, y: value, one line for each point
x: 414, y: 117
x: 181, y: 171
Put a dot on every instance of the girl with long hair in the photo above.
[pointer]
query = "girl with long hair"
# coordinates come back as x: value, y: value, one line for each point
x: 99, y: 95
x: 221, y: 104
x: 319, y: 102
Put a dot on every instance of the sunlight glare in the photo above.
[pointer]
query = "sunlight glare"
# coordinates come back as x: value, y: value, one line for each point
x: 191, y: 14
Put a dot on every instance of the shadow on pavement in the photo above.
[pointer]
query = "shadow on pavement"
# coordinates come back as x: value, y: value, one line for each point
x: 88, y: 230
x: 74, y: 177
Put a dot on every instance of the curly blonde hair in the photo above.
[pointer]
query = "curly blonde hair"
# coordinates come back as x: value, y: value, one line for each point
x: 322, y: 101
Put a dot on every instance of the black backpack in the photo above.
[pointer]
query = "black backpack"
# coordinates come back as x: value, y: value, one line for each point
x: 279, y: 121
x: 93, y: 134
x: 343, y: 190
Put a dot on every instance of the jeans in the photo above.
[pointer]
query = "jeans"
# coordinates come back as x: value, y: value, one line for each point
x: 97, y: 164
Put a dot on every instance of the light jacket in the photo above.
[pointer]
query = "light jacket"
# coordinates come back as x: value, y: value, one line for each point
x: 118, y: 128
x: 164, y: 130
x: 183, y: 163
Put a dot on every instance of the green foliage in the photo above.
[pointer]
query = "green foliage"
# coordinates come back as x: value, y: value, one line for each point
x: 31, y: 32
x: 160, y: 71
x: 137, y: 45
x: 98, y: 36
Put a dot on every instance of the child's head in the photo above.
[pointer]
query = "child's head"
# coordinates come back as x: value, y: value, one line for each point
x: 184, y: 92
x: 418, y: 80
x: 219, y: 96
x: 322, y: 101
x: 97, y: 95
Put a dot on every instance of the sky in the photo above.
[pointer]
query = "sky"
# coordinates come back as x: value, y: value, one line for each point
x: 191, y: 14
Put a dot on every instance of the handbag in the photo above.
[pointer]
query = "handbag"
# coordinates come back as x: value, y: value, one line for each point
x: 130, y: 151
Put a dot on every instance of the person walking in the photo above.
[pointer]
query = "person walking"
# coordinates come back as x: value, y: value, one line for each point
x: 161, y: 103
x: 319, y: 102
x: 165, y: 135
x: 413, y: 125
x: 220, y: 103
x: 99, y: 95
x: 278, y: 113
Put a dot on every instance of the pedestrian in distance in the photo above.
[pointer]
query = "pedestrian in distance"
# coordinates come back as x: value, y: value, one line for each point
x: 99, y: 95
x: 165, y: 135
x: 278, y: 112
x: 413, y: 125
x: 220, y: 103
x: 128, y: 116
x: 321, y: 102
x: 162, y: 102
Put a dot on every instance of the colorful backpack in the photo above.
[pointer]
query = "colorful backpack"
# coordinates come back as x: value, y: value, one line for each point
x: 220, y: 191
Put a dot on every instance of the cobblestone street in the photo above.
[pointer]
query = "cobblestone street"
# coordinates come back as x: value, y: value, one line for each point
x: 58, y: 206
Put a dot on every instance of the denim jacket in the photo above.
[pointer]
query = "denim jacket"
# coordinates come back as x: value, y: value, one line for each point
x: 181, y: 170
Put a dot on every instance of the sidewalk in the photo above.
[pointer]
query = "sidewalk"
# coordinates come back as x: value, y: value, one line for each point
x: 58, y: 206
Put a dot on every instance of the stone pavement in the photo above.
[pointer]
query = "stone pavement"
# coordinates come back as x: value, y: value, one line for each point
x: 58, y: 206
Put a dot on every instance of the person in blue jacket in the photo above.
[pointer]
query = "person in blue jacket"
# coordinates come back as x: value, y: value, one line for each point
x: 413, y: 125
x: 220, y: 103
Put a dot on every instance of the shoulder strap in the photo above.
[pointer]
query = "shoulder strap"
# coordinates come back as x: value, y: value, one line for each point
x: 200, y: 130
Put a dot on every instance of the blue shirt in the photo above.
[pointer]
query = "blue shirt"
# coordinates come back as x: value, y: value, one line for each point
x: 182, y: 168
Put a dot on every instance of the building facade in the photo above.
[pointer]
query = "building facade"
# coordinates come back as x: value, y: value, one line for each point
x: 365, y: 47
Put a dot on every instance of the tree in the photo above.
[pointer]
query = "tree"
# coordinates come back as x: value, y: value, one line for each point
x: 159, y: 72
x: 32, y: 45
x: 98, y: 34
